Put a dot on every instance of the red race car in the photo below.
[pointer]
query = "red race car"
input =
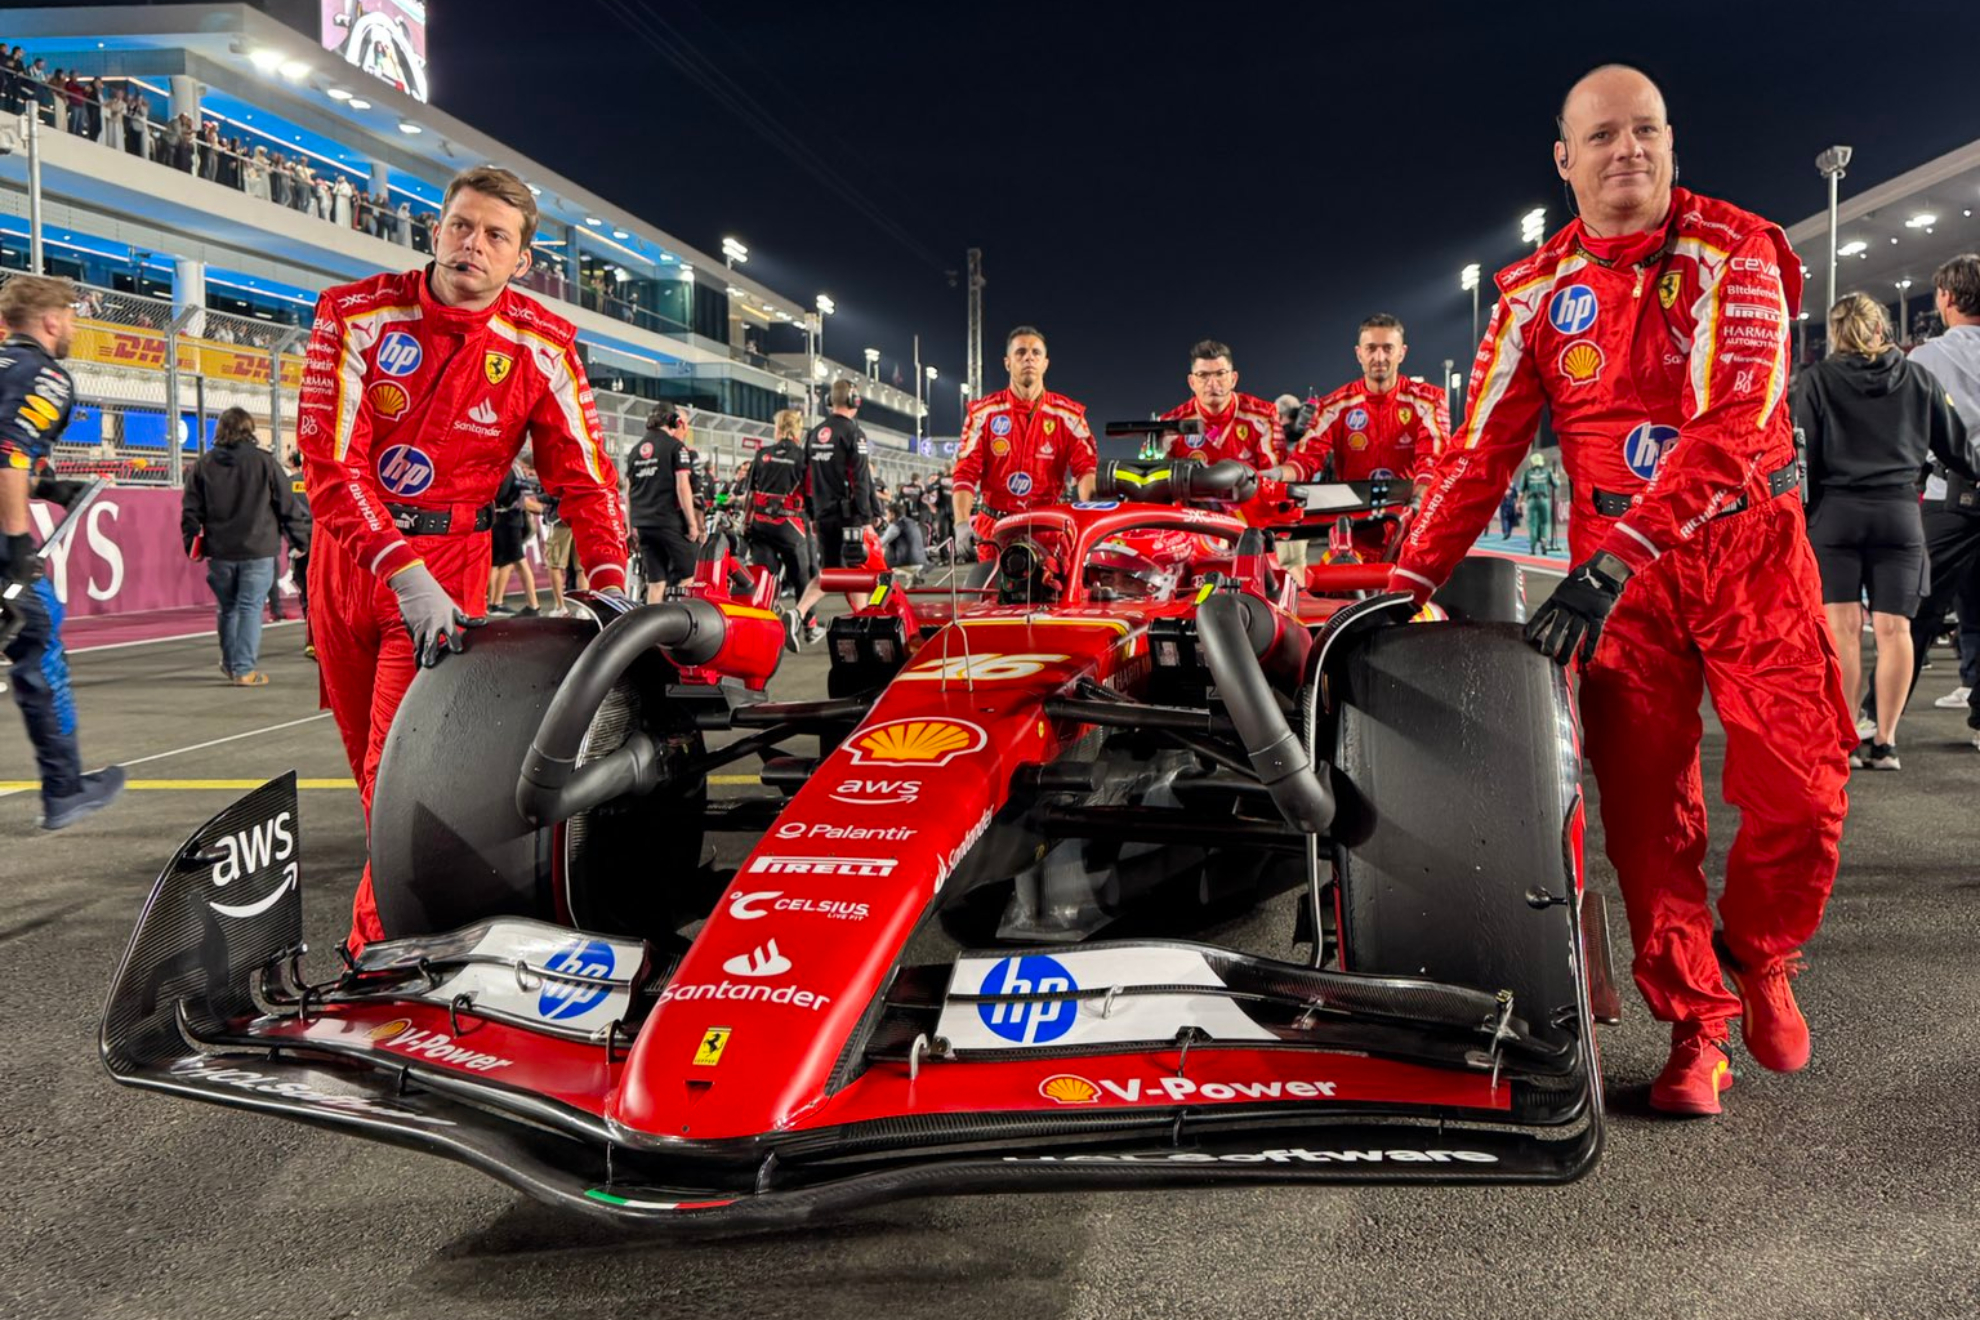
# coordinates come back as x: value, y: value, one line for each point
x: 964, y: 952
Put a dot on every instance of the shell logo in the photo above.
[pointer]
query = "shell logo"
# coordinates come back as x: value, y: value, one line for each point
x: 917, y: 742
x: 389, y: 400
x: 1066, y: 1089
x: 396, y: 1027
x: 1358, y: 441
x: 1581, y: 362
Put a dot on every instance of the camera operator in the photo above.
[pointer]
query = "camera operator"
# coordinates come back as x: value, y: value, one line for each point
x: 842, y: 499
x: 665, y: 516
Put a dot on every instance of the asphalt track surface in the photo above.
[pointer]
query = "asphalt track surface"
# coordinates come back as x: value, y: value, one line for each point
x: 1847, y: 1190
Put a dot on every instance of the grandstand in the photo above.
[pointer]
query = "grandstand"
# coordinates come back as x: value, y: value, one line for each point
x: 200, y: 285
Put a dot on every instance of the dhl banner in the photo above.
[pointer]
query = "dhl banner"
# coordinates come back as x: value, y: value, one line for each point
x: 126, y: 346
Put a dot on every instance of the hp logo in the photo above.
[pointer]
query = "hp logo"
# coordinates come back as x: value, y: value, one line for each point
x: 562, y: 1000
x: 1019, y: 483
x: 1644, y: 448
x: 404, y: 470
x: 1029, y: 1023
x: 1573, y: 309
x: 399, y: 354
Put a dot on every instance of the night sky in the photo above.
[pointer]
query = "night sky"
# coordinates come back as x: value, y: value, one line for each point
x: 1142, y: 176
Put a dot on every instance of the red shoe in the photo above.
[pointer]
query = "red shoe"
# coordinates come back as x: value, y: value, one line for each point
x: 1775, y: 1033
x: 1697, y: 1073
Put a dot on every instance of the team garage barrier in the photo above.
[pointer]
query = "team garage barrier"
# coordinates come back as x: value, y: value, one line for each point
x: 125, y: 556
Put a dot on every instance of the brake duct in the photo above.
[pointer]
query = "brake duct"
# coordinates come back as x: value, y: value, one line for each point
x: 552, y: 787
x: 1298, y: 789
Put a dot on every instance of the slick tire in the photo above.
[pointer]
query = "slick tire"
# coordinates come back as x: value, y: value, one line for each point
x: 1485, y: 589
x: 447, y: 845
x: 1457, y: 776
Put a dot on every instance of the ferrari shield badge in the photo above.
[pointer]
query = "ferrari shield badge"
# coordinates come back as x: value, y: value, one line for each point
x: 496, y: 366
x: 1668, y: 285
x: 713, y: 1041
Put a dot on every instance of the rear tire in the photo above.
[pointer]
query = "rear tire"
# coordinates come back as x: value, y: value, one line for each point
x: 1458, y: 775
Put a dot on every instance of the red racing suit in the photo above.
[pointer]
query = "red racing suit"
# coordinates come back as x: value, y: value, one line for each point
x: 1246, y: 431
x: 411, y: 414
x: 1016, y: 456
x: 1402, y: 431
x: 1664, y: 359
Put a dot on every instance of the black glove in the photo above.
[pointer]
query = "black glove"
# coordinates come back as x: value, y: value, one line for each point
x: 58, y: 490
x: 18, y: 561
x: 1571, y: 620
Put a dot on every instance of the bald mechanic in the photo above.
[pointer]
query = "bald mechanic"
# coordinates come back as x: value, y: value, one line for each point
x: 418, y: 391
x: 1655, y: 328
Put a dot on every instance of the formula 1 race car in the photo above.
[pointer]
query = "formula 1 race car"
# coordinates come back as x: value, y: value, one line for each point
x: 958, y: 951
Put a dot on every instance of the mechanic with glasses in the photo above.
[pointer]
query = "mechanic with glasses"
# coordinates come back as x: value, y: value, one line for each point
x: 1019, y: 446
x: 1693, y: 568
x: 1235, y: 425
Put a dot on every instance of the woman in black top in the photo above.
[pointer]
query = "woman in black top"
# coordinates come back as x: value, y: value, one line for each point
x: 1871, y: 419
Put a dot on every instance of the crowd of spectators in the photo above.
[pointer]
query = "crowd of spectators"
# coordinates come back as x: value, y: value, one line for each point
x: 118, y: 114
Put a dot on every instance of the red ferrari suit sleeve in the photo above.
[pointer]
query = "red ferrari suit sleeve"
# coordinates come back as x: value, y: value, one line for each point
x: 1436, y: 427
x: 968, y: 471
x: 1734, y: 398
x: 334, y: 433
x: 569, y: 449
x: 1082, y: 459
x: 1309, y: 456
x: 1478, y: 465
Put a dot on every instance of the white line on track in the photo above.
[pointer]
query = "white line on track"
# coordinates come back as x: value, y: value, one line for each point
x: 200, y: 747
x: 175, y: 637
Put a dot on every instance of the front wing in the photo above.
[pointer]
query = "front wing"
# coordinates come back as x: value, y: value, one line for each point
x: 208, y: 1004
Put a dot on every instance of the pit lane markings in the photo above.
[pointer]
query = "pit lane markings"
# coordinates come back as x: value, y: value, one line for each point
x: 10, y: 787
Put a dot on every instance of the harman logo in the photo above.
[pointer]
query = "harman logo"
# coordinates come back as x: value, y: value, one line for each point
x: 918, y: 742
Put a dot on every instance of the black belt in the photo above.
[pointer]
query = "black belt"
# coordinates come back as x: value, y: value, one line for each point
x: 437, y: 522
x: 1779, y: 482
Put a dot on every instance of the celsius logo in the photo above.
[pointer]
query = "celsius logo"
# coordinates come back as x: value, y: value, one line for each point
x: 563, y: 1000
x: 763, y: 960
x: 762, y: 902
x: 1573, y: 309
x: 1029, y: 1023
x: 1643, y: 448
x: 399, y: 354
x: 404, y: 470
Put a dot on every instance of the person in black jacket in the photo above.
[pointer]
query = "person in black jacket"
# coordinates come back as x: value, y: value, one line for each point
x: 665, y: 518
x: 1871, y: 419
x: 237, y: 506
x: 842, y: 497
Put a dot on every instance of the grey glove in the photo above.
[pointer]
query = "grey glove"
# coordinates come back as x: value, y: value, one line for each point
x: 436, y: 624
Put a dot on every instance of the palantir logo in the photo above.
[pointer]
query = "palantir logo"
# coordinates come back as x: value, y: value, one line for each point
x: 1574, y: 309
x: 1643, y: 448
x: 1029, y: 1023
x: 404, y: 470
x: 563, y: 1000
x: 399, y: 354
